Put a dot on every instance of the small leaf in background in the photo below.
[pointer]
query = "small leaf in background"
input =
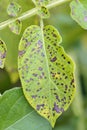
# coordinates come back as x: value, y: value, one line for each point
x: 46, y: 72
x: 13, y: 9
x: 17, y: 114
x: 79, y: 13
x: 43, y: 12
x: 16, y: 26
x: 3, y: 50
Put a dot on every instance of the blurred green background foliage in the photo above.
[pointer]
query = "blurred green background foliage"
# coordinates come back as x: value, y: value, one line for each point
x: 74, y: 43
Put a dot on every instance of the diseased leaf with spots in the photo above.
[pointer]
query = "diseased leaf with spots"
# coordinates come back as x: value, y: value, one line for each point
x: 3, y: 50
x: 46, y: 72
x: 16, y: 26
x: 79, y: 13
x: 13, y: 9
x: 43, y: 12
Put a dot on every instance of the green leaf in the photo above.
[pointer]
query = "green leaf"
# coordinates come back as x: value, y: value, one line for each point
x: 17, y: 114
x: 3, y: 51
x: 13, y: 9
x: 79, y: 13
x: 16, y: 26
x: 43, y: 12
x: 46, y: 72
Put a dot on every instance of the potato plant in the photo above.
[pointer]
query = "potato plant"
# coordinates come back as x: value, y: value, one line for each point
x: 46, y: 71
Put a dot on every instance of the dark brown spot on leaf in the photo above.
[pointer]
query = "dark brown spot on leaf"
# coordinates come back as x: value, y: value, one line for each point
x: 53, y: 59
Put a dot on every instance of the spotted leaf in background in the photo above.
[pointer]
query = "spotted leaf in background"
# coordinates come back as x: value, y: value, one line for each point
x: 46, y: 72
x: 16, y: 26
x: 2, y: 53
x: 43, y: 12
x: 79, y: 12
x: 13, y: 9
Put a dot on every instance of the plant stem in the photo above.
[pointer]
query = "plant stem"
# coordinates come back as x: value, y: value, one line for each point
x: 56, y: 3
x: 31, y: 12
x: 23, y: 16
x: 41, y: 23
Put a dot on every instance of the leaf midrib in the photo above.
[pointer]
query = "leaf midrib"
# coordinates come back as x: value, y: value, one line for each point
x: 43, y: 41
